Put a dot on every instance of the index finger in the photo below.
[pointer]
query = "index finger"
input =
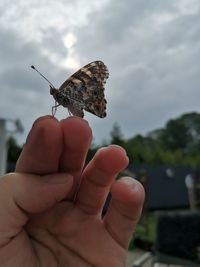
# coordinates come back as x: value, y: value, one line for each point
x: 43, y: 147
x: 54, y: 146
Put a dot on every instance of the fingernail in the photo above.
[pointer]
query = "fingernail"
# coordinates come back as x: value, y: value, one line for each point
x: 77, y: 118
x: 118, y: 147
x: 130, y: 182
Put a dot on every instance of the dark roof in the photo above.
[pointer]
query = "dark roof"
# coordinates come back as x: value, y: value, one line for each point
x: 165, y: 185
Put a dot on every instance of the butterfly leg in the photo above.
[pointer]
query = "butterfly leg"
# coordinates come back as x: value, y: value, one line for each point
x: 70, y: 114
x: 54, y: 108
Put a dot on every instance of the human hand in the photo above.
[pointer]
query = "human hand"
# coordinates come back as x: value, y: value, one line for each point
x: 50, y: 208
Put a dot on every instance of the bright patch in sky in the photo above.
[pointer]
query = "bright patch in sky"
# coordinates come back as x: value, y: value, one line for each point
x: 151, y: 48
x: 69, y: 40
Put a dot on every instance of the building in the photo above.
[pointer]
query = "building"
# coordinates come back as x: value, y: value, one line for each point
x: 164, y: 185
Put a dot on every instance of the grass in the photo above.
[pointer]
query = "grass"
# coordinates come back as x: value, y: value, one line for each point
x: 145, y: 230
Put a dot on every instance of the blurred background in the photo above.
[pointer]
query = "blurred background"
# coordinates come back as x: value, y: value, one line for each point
x: 152, y: 51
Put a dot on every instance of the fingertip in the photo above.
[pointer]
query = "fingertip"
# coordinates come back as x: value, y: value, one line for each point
x: 42, y: 148
x: 44, y: 118
x: 41, y: 128
x: 77, y: 132
x: 75, y: 118
x: 110, y: 158
x: 128, y: 190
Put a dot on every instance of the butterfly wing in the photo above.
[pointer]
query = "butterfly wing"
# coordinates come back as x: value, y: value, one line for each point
x: 86, y: 88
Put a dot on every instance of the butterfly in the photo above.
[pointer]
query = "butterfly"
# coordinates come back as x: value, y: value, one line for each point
x: 84, y: 90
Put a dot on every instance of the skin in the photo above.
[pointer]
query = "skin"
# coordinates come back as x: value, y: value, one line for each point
x: 50, y: 208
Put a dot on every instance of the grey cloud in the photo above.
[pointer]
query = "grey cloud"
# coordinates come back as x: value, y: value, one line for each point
x: 53, y: 42
x: 154, y: 71
x: 154, y: 68
x: 184, y: 29
x: 115, y: 23
x: 23, y: 93
x: 18, y: 55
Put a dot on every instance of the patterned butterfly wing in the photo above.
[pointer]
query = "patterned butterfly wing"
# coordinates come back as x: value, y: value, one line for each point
x: 85, y: 89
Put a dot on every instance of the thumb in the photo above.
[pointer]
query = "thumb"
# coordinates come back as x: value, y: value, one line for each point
x: 21, y: 194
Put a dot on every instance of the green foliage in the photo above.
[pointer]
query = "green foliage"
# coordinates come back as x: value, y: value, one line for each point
x: 145, y: 230
x: 176, y: 143
x: 91, y: 152
x: 117, y: 136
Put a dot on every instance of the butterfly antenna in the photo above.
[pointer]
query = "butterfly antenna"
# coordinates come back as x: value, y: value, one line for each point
x: 42, y: 76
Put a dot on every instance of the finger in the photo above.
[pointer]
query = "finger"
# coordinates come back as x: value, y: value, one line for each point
x: 98, y: 177
x: 21, y: 194
x: 77, y: 137
x: 42, y: 150
x: 124, y: 210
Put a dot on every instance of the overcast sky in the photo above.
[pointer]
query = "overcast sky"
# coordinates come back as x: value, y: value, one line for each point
x: 151, y: 48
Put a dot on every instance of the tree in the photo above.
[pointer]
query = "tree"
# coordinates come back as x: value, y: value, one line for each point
x: 14, y: 149
x: 176, y: 143
x: 117, y: 136
x: 175, y: 136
